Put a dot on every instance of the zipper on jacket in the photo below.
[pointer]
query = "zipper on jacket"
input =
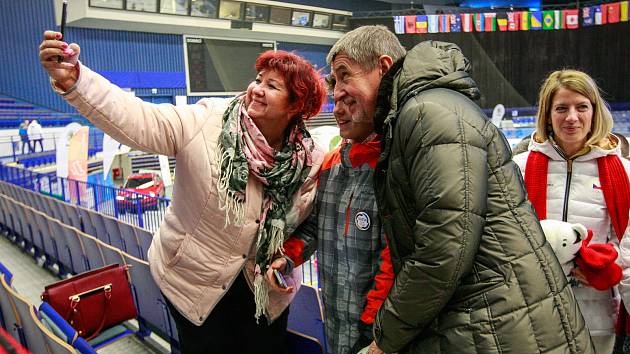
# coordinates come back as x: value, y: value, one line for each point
x: 345, y: 233
x: 567, y: 188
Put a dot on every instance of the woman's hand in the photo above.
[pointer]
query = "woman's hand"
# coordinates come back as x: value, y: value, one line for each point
x: 66, y: 73
x: 577, y: 274
x: 280, y: 265
x: 374, y: 349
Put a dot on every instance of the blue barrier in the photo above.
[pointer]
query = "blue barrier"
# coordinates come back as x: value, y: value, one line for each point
x: 135, y: 208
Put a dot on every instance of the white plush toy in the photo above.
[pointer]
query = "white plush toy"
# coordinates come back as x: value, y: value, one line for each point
x: 565, y: 240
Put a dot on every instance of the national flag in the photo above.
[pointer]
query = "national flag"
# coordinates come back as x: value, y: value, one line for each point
x: 524, y: 20
x: 600, y: 15
x: 514, y: 21
x: 612, y: 12
x: 456, y: 23
x: 421, y: 24
x: 588, y: 16
x: 467, y: 22
x: 433, y: 23
x: 536, y: 20
x: 399, y: 24
x: 502, y: 21
x: 558, y: 22
x: 445, y: 23
x: 548, y: 17
x: 479, y: 22
x: 570, y: 17
x: 410, y: 24
x: 490, y: 22
x: 623, y: 11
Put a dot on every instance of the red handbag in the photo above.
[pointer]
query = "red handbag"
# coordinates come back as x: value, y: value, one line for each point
x: 94, y: 300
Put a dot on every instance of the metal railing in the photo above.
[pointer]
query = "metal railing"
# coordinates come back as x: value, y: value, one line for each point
x: 135, y: 208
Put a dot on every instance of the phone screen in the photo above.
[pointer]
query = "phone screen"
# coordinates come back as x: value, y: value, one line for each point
x: 280, y: 279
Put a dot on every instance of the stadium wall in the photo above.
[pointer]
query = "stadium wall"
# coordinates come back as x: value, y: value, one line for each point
x: 24, y: 22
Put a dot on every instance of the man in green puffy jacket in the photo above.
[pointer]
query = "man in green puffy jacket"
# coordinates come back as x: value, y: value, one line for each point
x: 474, y: 273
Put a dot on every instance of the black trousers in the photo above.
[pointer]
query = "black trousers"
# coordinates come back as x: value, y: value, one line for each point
x: 34, y: 145
x: 231, y: 327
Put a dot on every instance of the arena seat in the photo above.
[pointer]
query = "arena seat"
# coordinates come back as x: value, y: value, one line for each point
x: 31, y: 336
x: 306, y: 323
x: 153, y: 313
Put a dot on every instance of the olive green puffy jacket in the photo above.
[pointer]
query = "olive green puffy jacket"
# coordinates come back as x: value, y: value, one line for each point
x: 474, y: 273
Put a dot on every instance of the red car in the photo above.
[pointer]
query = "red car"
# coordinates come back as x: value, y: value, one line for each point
x: 140, y: 188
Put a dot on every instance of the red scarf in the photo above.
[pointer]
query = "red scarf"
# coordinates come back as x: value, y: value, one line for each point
x: 616, y: 189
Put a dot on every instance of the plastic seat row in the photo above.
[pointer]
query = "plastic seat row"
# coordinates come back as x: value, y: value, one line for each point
x: 122, y: 235
x: 21, y: 320
x: 75, y: 251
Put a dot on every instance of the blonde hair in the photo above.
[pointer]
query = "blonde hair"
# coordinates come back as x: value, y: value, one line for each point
x: 582, y: 83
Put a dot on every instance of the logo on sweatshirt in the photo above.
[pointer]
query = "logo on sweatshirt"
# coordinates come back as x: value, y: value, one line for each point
x: 362, y: 220
x: 597, y: 187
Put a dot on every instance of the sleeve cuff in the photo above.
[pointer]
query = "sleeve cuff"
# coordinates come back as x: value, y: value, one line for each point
x: 290, y: 265
x: 61, y: 92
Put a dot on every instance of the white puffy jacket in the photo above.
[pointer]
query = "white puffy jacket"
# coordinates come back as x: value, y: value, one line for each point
x: 577, y: 197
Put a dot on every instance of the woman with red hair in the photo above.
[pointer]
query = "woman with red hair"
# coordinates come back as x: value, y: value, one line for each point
x: 246, y: 177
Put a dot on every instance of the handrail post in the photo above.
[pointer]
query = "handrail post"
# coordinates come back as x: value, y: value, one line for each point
x: 76, y: 183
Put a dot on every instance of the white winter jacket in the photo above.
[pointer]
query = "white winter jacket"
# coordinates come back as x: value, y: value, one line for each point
x: 575, y: 196
x: 34, y: 130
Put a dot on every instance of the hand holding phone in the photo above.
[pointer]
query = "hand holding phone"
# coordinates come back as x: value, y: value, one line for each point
x: 280, y: 279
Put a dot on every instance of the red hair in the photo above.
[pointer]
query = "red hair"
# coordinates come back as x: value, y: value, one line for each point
x: 307, y: 91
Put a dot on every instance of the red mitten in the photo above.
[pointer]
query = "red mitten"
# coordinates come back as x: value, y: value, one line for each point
x: 597, y: 263
x: 598, y: 256
x: 601, y: 279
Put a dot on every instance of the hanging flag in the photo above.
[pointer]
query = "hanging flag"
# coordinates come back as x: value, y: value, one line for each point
x: 612, y: 12
x: 433, y: 23
x: 456, y: 23
x: 524, y: 20
x: 548, y: 17
x: 444, y: 23
x: 490, y: 22
x: 399, y: 24
x: 410, y: 24
x: 570, y: 17
x: 588, y: 16
x: 536, y: 20
x: 502, y: 21
x: 600, y: 15
x: 623, y: 11
x: 479, y: 22
x: 558, y: 22
x: 421, y: 24
x: 514, y: 21
x: 467, y: 22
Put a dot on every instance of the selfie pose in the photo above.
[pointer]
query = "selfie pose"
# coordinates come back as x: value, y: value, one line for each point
x: 246, y: 171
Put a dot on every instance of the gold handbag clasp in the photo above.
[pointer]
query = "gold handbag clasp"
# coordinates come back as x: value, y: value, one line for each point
x: 77, y: 297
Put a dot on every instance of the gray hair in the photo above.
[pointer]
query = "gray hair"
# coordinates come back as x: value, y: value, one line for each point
x: 366, y: 44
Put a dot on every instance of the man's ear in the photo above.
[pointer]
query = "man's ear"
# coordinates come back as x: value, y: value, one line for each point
x: 385, y: 63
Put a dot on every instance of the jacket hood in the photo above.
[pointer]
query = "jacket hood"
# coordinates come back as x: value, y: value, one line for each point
x: 430, y: 64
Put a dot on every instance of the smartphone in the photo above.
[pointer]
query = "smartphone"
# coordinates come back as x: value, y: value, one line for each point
x: 64, y: 15
x: 283, y: 283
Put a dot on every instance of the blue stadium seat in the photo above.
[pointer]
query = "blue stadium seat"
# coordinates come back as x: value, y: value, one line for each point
x: 31, y: 336
x: 152, y: 311
x: 306, y: 323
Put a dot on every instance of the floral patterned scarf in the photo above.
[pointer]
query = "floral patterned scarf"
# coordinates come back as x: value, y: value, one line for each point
x: 243, y: 150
